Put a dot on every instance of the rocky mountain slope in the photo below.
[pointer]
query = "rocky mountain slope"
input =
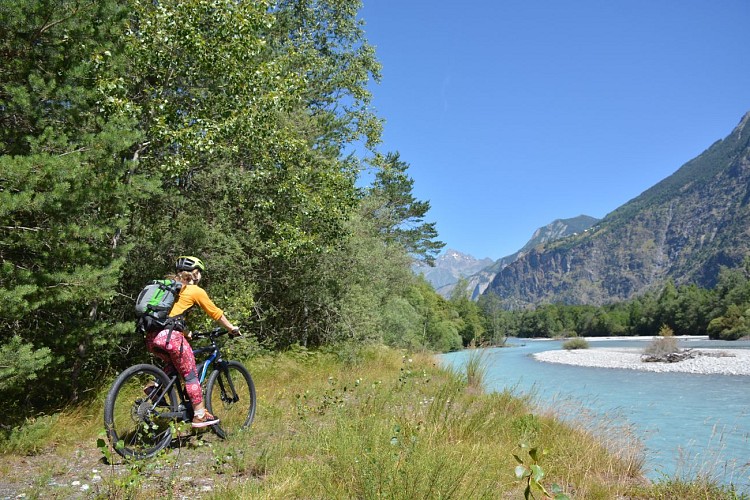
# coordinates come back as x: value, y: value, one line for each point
x: 684, y: 228
x: 559, y: 228
x: 450, y: 266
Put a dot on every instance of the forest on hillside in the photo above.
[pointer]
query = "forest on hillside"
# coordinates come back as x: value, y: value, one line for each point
x: 721, y: 313
x: 133, y: 132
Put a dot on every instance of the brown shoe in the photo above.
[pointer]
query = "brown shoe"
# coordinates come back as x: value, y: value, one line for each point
x: 207, y: 420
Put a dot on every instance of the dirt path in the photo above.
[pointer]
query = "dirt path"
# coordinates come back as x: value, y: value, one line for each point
x: 188, y: 470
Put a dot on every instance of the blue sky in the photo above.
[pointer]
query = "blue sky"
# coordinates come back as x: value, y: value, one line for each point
x: 512, y: 114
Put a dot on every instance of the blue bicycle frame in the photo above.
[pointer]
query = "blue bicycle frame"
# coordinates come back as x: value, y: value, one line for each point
x: 207, y: 362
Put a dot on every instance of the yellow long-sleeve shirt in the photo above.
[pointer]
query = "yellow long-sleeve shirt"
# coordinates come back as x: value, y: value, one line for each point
x: 191, y: 295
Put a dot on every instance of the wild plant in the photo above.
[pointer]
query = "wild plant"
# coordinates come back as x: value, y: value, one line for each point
x: 665, y: 344
x: 476, y: 369
x: 575, y: 343
x: 530, y: 473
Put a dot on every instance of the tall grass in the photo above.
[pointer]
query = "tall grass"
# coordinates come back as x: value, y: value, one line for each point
x: 476, y: 369
x: 381, y: 424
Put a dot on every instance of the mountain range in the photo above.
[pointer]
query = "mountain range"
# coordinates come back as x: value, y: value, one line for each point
x: 452, y: 265
x: 684, y: 229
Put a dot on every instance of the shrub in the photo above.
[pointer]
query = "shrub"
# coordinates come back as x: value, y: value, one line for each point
x: 665, y: 344
x: 576, y: 343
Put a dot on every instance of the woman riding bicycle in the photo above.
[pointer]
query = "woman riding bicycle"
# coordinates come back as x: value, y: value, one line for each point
x: 171, y: 344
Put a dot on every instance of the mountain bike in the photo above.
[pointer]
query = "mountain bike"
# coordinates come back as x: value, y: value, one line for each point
x: 145, y: 407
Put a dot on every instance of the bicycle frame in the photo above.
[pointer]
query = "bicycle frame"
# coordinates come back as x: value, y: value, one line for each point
x: 206, y: 362
x: 220, y: 365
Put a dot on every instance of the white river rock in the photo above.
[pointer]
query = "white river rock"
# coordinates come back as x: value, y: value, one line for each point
x: 707, y: 361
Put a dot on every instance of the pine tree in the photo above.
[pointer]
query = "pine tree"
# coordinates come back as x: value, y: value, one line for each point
x: 65, y: 191
x: 400, y: 215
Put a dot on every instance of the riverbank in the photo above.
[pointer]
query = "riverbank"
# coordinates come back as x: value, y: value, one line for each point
x: 706, y: 361
x: 375, y: 423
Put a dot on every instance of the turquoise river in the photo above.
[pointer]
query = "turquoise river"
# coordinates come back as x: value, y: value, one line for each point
x: 689, y: 424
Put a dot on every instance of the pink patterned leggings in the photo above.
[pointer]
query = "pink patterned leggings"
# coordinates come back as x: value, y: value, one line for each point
x: 177, y: 355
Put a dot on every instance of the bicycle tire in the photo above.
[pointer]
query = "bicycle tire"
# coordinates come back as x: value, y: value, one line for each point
x: 131, y: 416
x: 234, y: 414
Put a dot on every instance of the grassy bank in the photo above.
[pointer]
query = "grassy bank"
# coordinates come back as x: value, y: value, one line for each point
x: 354, y: 424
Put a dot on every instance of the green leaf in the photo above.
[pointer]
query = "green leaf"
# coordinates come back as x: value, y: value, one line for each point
x: 537, y: 473
x: 521, y: 471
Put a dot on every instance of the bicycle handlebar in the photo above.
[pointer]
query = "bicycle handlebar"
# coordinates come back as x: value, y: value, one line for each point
x: 211, y: 334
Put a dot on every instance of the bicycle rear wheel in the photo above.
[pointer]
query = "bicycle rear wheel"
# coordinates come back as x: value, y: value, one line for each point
x: 137, y: 419
x: 230, y: 396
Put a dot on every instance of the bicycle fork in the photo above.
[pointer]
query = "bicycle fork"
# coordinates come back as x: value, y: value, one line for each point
x: 231, y: 395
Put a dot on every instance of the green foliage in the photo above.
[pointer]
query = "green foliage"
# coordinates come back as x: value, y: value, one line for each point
x: 402, y: 324
x: 470, y: 324
x: 400, y: 216
x: 66, y: 189
x: 531, y: 474
x: 575, y: 343
x: 133, y: 132
x: 498, y: 323
x: 722, y: 312
x: 20, y: 363
x: 29, y: 437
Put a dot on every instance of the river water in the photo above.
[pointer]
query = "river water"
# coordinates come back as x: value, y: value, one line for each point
x: 690, y: 424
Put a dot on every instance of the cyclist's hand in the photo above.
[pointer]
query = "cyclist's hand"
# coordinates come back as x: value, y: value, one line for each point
x: 235, y: 332
x: 189, y: 335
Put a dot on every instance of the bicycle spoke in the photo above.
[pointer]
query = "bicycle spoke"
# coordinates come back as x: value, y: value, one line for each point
x: 132, y: 412
x: 231, y: 398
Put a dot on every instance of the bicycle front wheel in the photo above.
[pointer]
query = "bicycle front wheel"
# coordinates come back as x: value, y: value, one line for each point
x: 230, y: 396
x: 138, y: 411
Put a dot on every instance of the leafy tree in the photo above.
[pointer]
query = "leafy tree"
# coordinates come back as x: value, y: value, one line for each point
x: 691, y: 316
x: 470, y: 327
x: 667, y: 304
x: 498, y: 322
x: 246, y: 108
x: 541, y: 322
x: 439, y: 331
x: 373, y: 277
x: 331, y: 51
x: 402, y: 324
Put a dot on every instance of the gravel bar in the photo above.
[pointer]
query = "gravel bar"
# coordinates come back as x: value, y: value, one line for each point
x: 706, y: 361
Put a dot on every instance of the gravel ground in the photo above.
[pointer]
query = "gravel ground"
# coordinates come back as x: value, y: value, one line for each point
x: 707, y: 361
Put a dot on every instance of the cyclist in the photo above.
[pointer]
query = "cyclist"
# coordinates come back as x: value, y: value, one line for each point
x: 172, y: 345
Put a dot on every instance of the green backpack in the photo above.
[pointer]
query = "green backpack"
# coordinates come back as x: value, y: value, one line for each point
x: 154, y: 303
